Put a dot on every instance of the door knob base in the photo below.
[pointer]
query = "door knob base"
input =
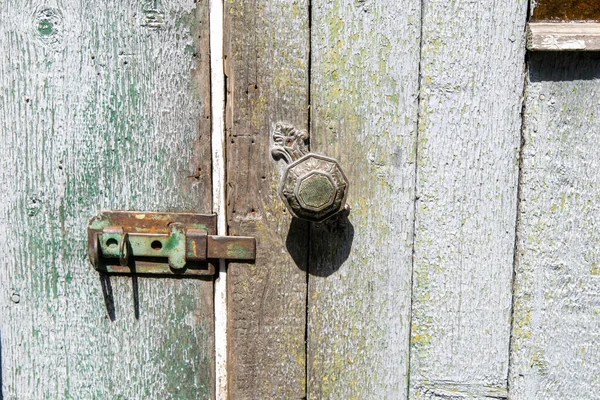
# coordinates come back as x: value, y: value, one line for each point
x: 313, y: 187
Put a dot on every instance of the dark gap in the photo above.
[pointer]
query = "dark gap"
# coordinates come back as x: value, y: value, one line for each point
x: 306, y: 379
x: 517, y: 221
x: 308, y: 259
x: 561, y: 66
x: 415, y: 199
x: 518, y: 199
x: 225, y: 170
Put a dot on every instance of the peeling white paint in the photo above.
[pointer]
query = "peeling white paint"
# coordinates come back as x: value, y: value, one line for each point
x: 219, y: 203
x: 560, y: 43
x: 568, y: 36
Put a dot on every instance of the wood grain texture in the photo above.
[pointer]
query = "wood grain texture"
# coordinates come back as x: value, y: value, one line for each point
x: 267, y: 47
x: 468, y: 149
x: 555, y: 351
x: 555, y: 36
x: 364, y: 90
x: 102, y: 106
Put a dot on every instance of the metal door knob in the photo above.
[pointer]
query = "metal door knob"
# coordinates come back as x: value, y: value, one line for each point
x: 313, y: 187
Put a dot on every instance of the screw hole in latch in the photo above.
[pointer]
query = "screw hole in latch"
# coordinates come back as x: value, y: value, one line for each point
x: 112, y: 243
x: 156, y: 245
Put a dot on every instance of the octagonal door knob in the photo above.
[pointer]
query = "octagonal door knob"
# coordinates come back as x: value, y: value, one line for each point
x: 313, y: 187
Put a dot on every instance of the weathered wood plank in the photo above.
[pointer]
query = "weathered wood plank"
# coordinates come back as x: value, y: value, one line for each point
x: 563, y: 36
x: 364, y: 92
x: 102, y: 106
x: 267, y: 47
x: 468, y: 149
x: 555, y: 350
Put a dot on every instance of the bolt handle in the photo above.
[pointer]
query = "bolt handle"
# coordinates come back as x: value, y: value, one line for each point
x: 313, y: 187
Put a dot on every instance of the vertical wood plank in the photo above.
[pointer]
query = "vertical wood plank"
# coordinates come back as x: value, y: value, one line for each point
x: 267, y: 81
x: 555, y: 351
x: 102, y: 106
x: 468, y: 149
x: 364, y: 90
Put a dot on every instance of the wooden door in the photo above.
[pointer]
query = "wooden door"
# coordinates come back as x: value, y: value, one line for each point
x: 411, y: 296
x: 420, y: 102
x: 466, y: 268
x: 103, y: 105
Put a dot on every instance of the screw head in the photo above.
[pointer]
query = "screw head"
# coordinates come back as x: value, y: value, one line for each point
x: 314, y: 187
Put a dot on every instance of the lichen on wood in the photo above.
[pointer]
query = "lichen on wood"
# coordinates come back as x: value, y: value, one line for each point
x: 467, y: 174
x: 555, y: 353
x: 364, y: 93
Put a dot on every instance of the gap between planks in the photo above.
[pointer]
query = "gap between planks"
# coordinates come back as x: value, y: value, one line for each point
x: 217, y: 77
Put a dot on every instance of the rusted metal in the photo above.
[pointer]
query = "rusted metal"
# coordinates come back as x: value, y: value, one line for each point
x: 161, y: 243
x: 289, y: 143
x: 566, y: 10
x: 231, y: 247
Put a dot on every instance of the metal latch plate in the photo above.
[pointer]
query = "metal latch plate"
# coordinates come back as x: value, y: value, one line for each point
x: 161, y: 243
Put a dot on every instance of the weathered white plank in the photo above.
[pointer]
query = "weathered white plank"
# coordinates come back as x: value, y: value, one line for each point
x: 218, y: 149
x: 555, y: 348
x: 467, y: 171
x: 364, y: 91
x: 103, y: 105
x: 567, y: 36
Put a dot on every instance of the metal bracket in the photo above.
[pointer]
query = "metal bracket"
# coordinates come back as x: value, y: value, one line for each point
x: 161, y: 243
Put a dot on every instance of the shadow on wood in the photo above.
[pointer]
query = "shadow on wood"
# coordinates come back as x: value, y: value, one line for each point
x: 107, y: 290
x: 563, y: 66
x: 109, y: 302
x: 329, y: 245
x: 107, y: 293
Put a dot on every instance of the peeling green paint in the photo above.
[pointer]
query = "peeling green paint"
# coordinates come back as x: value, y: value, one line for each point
x: 91, y: 112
